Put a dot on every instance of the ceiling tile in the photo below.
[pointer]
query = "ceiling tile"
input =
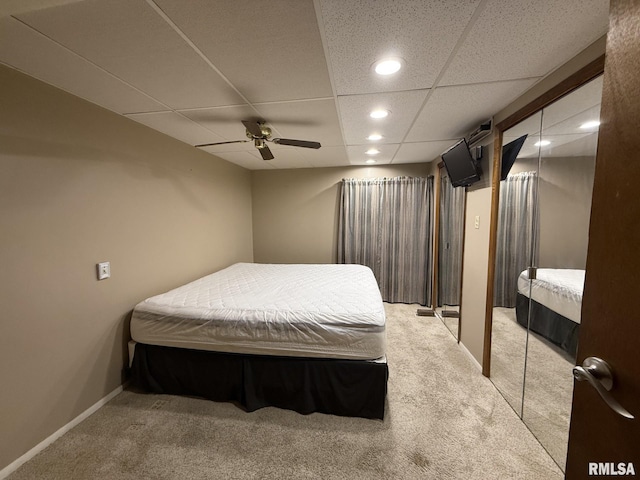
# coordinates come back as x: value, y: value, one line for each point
x: 357, y: 155
x: 289, y: 157
x: 176, y: 126
x: 14, y: 7
x: 244, y: 159
x: 520, y: 38
x: 230, y: 147
x: 223, y: 121
x: 270, y: 51
x: 421, y: 151
x: 129, y: 39
x: 354, y: 110
x: 315, y: 120
x: 423, y: 34
x: 452, y: 112
x: 335, y: 156
x: 32, y: 53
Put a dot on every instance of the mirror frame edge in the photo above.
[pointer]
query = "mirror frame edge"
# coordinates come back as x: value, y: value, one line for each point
x: 566, y: 86
x: 436, y: 247
x: 436, y: 237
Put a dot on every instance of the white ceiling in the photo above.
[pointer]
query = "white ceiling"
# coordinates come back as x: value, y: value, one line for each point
x: 193, y: 70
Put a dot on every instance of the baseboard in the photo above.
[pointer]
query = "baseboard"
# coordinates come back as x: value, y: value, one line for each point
x: 12, y: 467
x: 473, y: 359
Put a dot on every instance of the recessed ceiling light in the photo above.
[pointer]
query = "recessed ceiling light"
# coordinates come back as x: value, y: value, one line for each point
x: 370, y: 161
x: 542, y: 143
x: 591, y: 124
x: 374, y: 137
x: 372, y: 151
x: 387, y: 66
x: 380, y: 113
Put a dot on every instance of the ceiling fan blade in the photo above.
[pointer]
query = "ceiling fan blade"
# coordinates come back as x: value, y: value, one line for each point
x: 253, y: 127
x: 296, y: 143
x: 221, y: 143
x: 266, y: 153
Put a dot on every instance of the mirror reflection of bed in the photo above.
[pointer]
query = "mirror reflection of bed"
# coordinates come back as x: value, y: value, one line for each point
x: 544, y: 212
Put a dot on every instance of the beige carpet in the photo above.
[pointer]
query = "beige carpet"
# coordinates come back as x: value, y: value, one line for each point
x: 548, y: 386
x: 444, y: 421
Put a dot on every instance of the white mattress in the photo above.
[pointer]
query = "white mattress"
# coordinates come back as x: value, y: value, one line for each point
x: 330, y: 311
x: 557, y: 289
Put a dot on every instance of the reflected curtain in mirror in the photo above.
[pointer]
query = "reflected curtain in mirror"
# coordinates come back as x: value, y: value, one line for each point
x: 386, y: 224
x: 516, y: 246
x: 450, y: 242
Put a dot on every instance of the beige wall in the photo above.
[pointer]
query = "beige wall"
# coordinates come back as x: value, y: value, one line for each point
x: 475, y: 258
x: 474, y: 274
x: 295, y: 212
x: 80, y: 185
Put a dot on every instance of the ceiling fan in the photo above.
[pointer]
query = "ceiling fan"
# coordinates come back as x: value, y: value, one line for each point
x: 260, y: 134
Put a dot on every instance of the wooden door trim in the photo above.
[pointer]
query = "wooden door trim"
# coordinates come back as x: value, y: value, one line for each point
x: 493, y: 239
x: 608, y: 325
x: 566, y: 86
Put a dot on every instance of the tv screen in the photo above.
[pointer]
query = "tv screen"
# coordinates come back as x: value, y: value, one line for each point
x: 463, y: 170
x: 509, y: 154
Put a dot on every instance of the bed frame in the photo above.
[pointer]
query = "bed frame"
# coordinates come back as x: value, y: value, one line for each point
x: 556, y: 328
x: 354, y: 388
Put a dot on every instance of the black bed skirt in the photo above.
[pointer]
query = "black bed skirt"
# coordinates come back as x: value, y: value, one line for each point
x: 556, y: 328
x: 340, y: 387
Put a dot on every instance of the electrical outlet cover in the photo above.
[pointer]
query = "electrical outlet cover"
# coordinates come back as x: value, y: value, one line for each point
x: 104, y: 270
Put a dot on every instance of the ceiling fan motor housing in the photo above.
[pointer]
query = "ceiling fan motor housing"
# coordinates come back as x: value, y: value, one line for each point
x: 265, y: 134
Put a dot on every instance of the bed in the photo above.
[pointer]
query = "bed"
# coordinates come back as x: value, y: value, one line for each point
x: 310, y: 338
x: 556, y: 303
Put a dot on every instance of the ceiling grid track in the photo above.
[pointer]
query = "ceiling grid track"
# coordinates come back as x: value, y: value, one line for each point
x: 201, y: 54
x: 325, y: 48
x: 463, y: 37
x: 38, y: 32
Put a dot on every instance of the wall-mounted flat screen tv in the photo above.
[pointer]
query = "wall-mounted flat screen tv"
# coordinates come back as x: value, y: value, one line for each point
x: 463, y: 170
x: 510, y: 152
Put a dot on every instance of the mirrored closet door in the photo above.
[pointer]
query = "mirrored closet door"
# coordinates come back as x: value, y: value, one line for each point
x: 543, y: 222
x: 515, y: 252
x: 450, y: 241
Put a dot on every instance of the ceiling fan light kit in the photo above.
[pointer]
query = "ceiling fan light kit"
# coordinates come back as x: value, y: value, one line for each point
x: 259, y: 133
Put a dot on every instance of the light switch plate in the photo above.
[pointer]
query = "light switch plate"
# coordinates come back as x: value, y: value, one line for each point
x: 104, y: 270
x: 477, y: 223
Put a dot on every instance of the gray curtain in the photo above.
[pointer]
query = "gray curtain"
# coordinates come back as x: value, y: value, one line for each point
x: 450, y: 242
x: 516, y: 247
x: 386, y: 224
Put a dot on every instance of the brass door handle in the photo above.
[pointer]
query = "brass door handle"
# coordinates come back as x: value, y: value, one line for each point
x: 598, y: 373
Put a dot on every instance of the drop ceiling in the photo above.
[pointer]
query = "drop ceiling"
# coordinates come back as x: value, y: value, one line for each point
x: 193, y: 70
